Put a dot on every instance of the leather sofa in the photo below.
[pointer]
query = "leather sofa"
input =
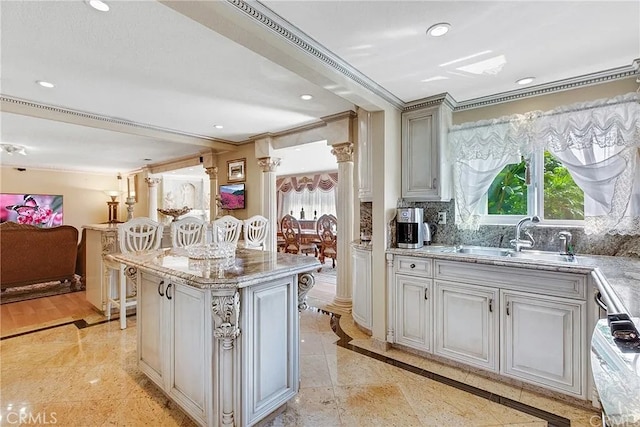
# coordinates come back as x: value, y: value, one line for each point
x: 30, y: 255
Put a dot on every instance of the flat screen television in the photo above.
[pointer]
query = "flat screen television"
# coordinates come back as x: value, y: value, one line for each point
x: 42, y: 210
x: 232, y: 196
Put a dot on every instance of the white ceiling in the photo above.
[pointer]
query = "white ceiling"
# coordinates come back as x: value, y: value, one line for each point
x: 170, y: 79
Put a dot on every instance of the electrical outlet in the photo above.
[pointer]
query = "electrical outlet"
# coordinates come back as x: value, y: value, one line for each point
x: 442, y: 218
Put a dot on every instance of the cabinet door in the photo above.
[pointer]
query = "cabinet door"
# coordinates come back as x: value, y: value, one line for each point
x: 466, y: 324
x: 413, y: 312
x: 420, y: 156
x: 189, y: 367
x: 542, y: 340
x: 151, y: 325
x: 361, y: 279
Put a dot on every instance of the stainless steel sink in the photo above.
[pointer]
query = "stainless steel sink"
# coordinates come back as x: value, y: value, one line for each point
x: 544, y: 256
x: 438, y: 248
x: 483, y: 250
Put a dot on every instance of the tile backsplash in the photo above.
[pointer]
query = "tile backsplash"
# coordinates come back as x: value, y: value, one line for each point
x: 499, y: 236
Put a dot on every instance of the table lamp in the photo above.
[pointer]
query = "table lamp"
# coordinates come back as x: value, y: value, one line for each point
x: 113, y: 206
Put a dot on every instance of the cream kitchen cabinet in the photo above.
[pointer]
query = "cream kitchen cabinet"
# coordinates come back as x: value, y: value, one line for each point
x: 361, y: 280
x: 542, y: 340
x: 414, y: 312
x: 467, y: 324
x: 172, y: 321
x: 426, y: 170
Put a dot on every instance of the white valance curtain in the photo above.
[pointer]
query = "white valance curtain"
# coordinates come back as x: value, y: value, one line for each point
x: 316, y: 193
x: 598, y: 142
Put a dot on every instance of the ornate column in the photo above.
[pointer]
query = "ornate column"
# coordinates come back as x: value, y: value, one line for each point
x: 213, y: 192
x: 153, y: 197
x: 226, y: 312
x: 344, y: 207
x: 269, y: 199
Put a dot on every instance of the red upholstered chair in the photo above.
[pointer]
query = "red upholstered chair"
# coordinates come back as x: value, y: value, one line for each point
x: 291, y: 233
x: 327, y: 226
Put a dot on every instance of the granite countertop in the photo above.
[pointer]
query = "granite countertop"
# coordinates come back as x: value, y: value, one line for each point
x: 618, y: 274
x: 101, y: 227
x: 249, y: 267
x: 362, y: 244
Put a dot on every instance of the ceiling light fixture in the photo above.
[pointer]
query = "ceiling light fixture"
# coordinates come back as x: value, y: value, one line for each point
x: 525, y: 81
x: 438, y: 30
x: 10, y: 149
x: 48, y: 85
x: 98, y: 5
x: 306, y: 97
x: 218, y: 126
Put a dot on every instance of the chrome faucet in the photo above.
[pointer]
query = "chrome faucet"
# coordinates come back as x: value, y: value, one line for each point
x: 519, y: 243
x: 565, y: 243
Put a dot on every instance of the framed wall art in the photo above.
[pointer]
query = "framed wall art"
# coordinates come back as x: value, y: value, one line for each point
x: 236, y: 170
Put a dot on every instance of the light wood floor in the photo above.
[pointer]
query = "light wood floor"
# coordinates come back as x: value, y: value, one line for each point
x: 24, y: 316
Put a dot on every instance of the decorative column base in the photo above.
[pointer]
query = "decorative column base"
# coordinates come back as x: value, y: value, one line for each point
x: 341, y: 304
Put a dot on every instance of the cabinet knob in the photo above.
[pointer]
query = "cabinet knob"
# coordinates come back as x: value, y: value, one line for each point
x: 160, y: 288
x: 169, y: 295
x: 412, y: 266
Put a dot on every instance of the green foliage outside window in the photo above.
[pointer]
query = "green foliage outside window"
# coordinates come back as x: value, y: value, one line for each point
x: 563, y: 199
x: 508, y: 192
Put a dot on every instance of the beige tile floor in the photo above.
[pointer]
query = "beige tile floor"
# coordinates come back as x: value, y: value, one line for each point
x: 88, y: 377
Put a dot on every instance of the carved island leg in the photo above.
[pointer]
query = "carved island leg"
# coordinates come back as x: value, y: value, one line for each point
x: 226, y: 312
x: 305, y: 283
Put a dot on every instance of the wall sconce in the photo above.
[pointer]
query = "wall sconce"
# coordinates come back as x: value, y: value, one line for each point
x: 113, y: 206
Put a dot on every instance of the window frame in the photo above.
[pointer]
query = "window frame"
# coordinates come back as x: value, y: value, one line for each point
x: 535, y: 201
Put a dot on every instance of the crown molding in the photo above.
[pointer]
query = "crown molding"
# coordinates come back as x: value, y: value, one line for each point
x: 266, y: 17
x: 552, y: 87
x: 432, y: 101
x: 24, y: 103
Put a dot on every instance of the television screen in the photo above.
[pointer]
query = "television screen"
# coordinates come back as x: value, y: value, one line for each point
x: 232, y: 196
x: 42, y: 210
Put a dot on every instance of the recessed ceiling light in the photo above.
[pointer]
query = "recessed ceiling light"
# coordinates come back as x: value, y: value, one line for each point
x: 218, y: 126
x: 147, y: 160
x: 439, y: 29
x: 525, y: 81
x: 45, y: 84
x: 306, y: 97
x: 98, y: 5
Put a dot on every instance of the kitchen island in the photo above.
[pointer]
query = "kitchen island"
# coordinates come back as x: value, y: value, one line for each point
x: 221, y: 338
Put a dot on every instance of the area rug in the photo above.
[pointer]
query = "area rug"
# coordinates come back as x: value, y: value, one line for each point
x: 39, y: 290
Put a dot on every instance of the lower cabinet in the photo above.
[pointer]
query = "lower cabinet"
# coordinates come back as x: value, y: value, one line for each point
x: 413, y: 312
x: 482, y: 316
x: 541, y: 340
x: 361, y: 280
x: 171, y: 330
x: 466, y: 324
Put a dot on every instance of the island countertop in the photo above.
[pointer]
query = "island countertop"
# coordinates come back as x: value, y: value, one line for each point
x: 249, y: 267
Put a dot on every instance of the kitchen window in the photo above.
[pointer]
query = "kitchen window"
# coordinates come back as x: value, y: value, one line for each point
x: 551, y: 193
x: 582, y: 167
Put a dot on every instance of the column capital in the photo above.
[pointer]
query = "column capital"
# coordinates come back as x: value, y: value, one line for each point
x: 343, y: 152
x: 152, y: 182
x: 212, y: 172
x: 226, y: 312
x: 269, y: 164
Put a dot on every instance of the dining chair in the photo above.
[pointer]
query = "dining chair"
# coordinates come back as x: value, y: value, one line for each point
x: 255, y: 231
x: 188, y: 231
x: 227, y: 229
x: 327, y: 227
x: 291, y: 233
x: 136, y: 235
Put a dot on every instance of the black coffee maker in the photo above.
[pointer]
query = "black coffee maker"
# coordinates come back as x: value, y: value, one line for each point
x: 409, y: 228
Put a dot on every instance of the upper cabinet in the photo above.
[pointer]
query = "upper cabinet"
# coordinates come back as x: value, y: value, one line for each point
x: 426, y: 171
x: 365, y: 184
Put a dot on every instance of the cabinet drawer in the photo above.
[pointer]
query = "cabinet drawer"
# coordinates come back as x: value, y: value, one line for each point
x: 569, y: 285
x: 414, y: 266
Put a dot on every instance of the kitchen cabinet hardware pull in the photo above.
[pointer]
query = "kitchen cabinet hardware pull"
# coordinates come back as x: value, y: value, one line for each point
x: 490, y: 305
x: 598, y: 299
x: 435, y: 183
x: 412, y: 266
x: 160, y: 288
x: 426, y: 293
x: 508, y: 313
x: 168, y: 295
